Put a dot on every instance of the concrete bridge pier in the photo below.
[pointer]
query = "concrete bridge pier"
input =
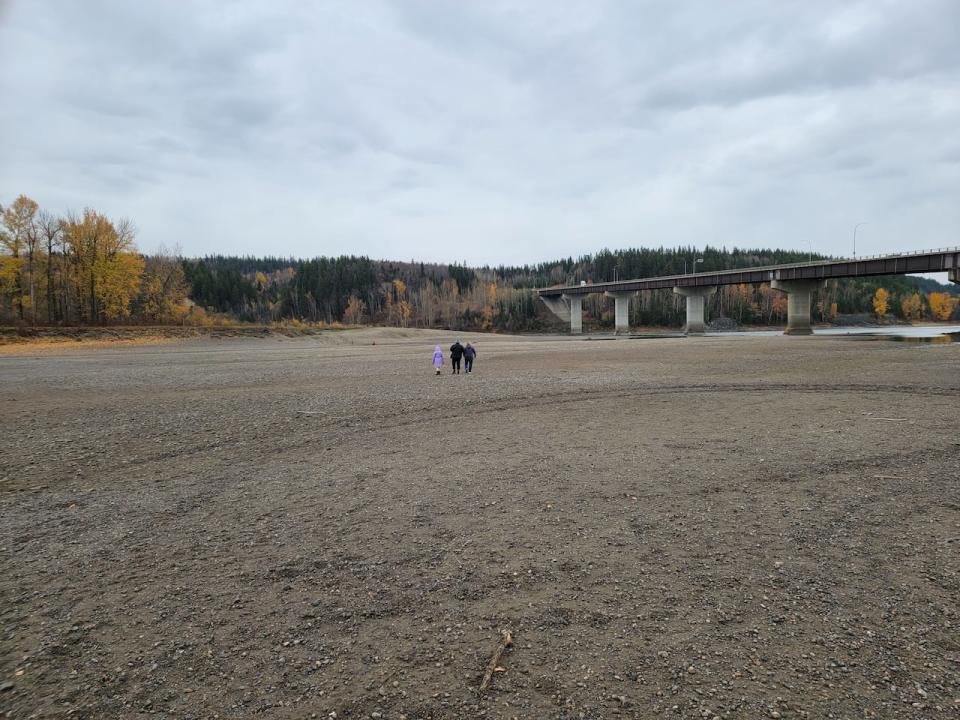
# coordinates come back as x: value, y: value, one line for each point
x: 575, y: 302
x: 568, y: 308
x: 696, y: 301
x: 798, y: 304
x: 621, y: 310
x: 954, y: 276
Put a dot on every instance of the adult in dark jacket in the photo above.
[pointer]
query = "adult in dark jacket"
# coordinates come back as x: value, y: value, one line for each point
x: 456, y: 352
x: 469, y: 353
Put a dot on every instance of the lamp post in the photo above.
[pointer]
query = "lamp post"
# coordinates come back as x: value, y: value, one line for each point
x: 855, y: 238
x: 698, y: 260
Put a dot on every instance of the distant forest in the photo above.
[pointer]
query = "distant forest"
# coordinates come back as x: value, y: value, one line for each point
x: 358, y: 290
x: 85, y: 269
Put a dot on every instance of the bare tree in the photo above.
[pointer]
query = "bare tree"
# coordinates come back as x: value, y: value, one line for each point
x: 50, y: 228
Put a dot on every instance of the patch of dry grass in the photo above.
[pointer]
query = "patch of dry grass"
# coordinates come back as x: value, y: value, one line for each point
x: 30, y: 345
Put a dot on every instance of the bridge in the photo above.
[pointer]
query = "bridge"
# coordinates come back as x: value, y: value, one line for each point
x: 797, y: 280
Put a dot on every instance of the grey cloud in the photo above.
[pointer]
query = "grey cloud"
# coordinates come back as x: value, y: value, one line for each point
x: 798, y: 57
x: 498, y: 132
x: 854, y: 162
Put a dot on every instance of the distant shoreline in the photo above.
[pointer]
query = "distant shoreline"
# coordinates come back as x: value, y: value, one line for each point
x: 35, y: 336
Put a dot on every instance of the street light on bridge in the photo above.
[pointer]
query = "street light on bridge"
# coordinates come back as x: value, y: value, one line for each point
x: 698, y: 260
x: 855, y: 238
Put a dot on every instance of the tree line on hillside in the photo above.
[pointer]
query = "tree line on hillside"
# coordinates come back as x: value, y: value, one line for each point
x: 85, y: 269
x: 358, y: 290
x: 82, y: 268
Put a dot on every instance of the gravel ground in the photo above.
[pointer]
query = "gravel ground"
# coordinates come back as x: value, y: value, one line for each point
x: 738, y: 527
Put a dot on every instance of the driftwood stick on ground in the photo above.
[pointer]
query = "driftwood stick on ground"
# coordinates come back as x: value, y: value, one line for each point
x: 506, y: 640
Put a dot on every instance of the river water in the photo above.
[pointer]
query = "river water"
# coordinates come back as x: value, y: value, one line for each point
x: 895, y: 332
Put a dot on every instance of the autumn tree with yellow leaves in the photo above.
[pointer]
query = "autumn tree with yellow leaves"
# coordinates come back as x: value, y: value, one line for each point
x: 881, y: 300
x: 941, y: 305
x: 404, y: 309
x: 398, y: 304
x: 19, y: 239
x: 107, y: 269
x: 912, y: 307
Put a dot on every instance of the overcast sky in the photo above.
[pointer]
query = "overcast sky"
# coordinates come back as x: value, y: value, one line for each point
x: 491, y: 132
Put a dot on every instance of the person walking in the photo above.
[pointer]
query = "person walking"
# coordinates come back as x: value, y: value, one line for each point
x: 456, y: 352
x: 469, y: 354
x: 437, y: 359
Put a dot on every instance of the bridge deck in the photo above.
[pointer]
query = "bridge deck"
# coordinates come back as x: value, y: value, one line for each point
x: 942, y: 260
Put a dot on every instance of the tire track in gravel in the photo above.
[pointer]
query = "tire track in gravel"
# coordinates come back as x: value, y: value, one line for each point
x: 569, y: 397
x: 353, y: 425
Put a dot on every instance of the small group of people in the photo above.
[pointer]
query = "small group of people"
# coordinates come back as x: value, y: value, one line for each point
x: 457, y: 352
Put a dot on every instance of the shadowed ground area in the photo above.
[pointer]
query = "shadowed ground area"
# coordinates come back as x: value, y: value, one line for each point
x: 721, y: 527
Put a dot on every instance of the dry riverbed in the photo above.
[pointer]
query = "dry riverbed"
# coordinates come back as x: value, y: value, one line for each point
x: 732, y: 527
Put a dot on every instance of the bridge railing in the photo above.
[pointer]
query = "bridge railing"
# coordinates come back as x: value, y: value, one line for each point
x: 858, y: 258
x: 934, y: 251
